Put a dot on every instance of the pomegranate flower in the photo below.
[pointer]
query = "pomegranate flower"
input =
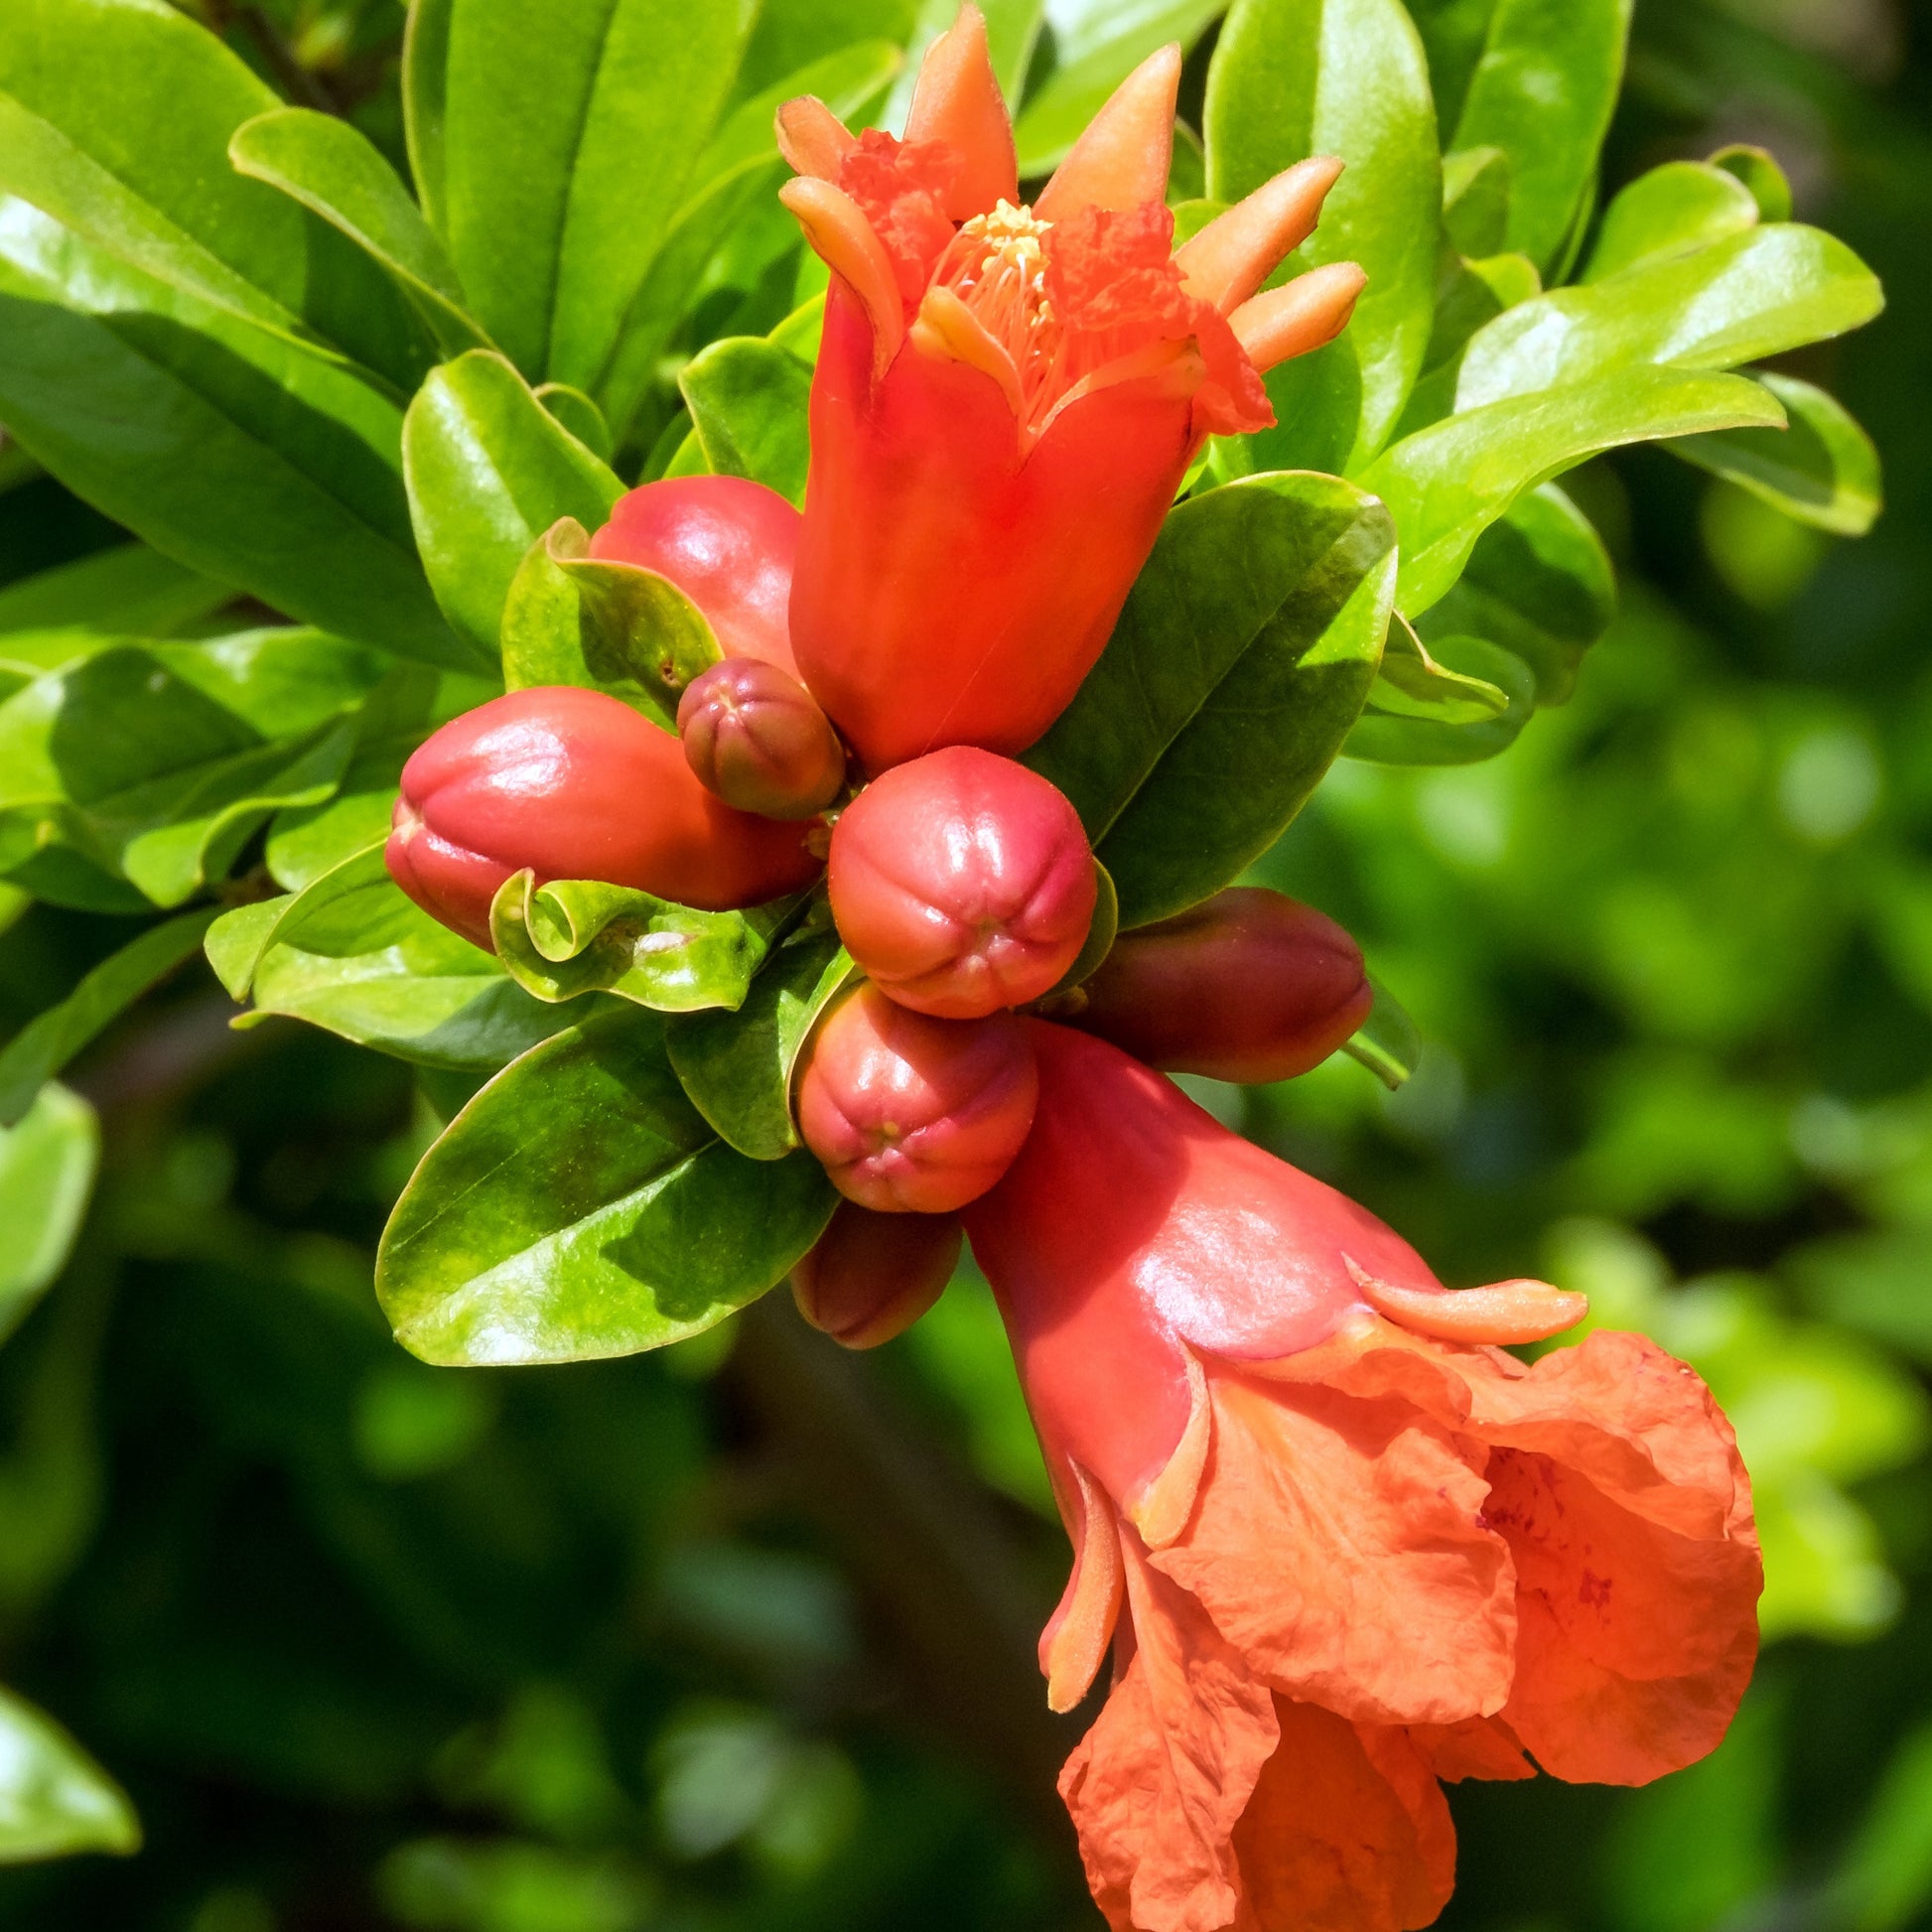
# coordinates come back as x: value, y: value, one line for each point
x: 1345, y: 1547
x: 1008, y: 397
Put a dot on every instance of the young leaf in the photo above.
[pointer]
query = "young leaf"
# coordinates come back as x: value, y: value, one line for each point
x: 1414, y: 684
x: 1388, y: 1042
x: 46, y: 1171
x: 1475, y: 200
x: 578, y: 414
x: 578, y: 935
x: 54, y: 1800
x: 1471, y: 295
x: 1416, y: 736
x: 1242, y: 654
x: 1758, y: 170
x: 425, y: 85
x: 51, y: 1039
x: 750, y: 406
x: 130, y: 589
x: 738, y: 1067
x: 1296, y: 78
x: 580, y: 1206
x: 489, y: 470
x: 1674, y: 209
x: 1824, y: 470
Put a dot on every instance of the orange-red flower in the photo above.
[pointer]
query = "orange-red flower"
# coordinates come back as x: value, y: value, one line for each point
x: 1008, y: 397
x: 1345, y: 1548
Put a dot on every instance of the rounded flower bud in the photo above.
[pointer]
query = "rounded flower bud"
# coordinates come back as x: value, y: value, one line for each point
x: 574, y: 784
x: 753, y: 735
x: 872, y: 1275
x: 962, y: 883
x: 911, y: 1114
x: 727, y: 543
x: 1248, y: 986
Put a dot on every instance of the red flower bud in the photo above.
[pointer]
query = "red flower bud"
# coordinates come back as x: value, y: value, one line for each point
x: 574, y: 784
x: 962, y: 883
x: 1249, y: 986
x: 753, y: 735
x: 872, y: 1275
x: 727, y: 543
x: 912, y: 1114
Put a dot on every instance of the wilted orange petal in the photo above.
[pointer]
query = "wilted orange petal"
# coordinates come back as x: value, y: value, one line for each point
x: 957, y: 101
x: 1504, y: 1314
x: 1122, y: 158
x: 1237, y: 251
x: 1301, y: 316
x: 842, y: 238
x: 812, y: 138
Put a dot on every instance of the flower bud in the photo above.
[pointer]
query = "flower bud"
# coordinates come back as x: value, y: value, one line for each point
x: 1249, y: 986
x: 574, y: 784
x: 872, y: 1275
x: 753, y: 735
x: 727, y: 543
x: 911, y: 1114
x: 962, y: 883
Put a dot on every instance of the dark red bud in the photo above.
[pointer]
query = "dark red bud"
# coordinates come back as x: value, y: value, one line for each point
x: 753, y: 735
x: 1249, y: 986
x: 574, y: 784
x: 872, y: 1275
x: 727, y: 543
x: 962, y: 883
x: 912, y: 1114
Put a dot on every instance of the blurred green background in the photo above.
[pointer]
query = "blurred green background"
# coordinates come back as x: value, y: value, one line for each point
x: 740, y: 1637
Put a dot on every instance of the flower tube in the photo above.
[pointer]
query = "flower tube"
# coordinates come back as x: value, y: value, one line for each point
x: 1344, y: 1548
x: 1008, y: 397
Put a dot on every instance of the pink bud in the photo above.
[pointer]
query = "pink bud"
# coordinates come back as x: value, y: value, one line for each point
x: 911, y: 1114
x: 1249, y: 986
x: 574, y: 784
x: 962, y: 883
x: 872, y: 1275
x: 753, y: 735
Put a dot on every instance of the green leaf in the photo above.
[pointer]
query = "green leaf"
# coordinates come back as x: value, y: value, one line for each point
x: 738, y: 1067
x: 51, y: 1039
x: 1412, y: 737
x: 425, y: 84
x: 48, y: 1160
x: 1413, y: 684
x: 750, y: 403
x: 1241, y: 658
x: 1755, y: 294
x: 1475, y: 200
x: 1296, y: 78
x: 607, y: 627
x: 569, y: 129
x: 1097, y: 44
x: 338, y: 173
x: 1824, y: 470
x: 580, y: 1206
x: 578, y: 414
x: 131, y: 590
x: 1674, y: 209
x: 1102, y: 931
x: 580, y: 935
x: 1471, y: 295
x: 1388, y: 1042
x: 490, y: 470
x: 54, y: 1800
x: 1450, y: 483
x: 1758, y: 170
x: 1541, y: 585
x: 1542, y: 90
x: 229, y: 447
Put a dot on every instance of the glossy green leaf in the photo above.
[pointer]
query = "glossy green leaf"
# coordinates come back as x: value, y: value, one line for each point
x: 1388, y: 1042
x: 48, y: 1160
x: 1672, y: 210
x: 338, y: 174
x: 229, y: 448
x: 1414, y: 684
x: 1296, y: 78
x: 1475, y: 200
x: 54, y: 1800
x: 52, y: 1038
x: 1755, y: 294
x: 1541, y: 585
x: 615, y: 628
x: 425, y: 84
x: 130, y: 589
x: 1450, y: 483
x: 490, y: 470
x: 1097, y: 44
x: 578, y: 414
x: 1470, y: 296
x: 580, y: 935
x: 1244, y: 653
x: 1543, y: 90
x: 1758, y: 170
x: 750, y: 403
x: 738, y: 1067
x: 1824, y: 470
x: 1413, y: 736
x: 580, y: 1206
x: 569, y: 130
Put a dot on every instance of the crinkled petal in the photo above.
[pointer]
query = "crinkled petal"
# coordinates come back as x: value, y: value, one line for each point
x: 1478, y: 1748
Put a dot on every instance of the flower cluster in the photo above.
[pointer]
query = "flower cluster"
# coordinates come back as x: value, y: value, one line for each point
x: 1342, y: 1546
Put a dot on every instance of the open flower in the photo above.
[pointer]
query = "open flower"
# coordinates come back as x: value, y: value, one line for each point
x: 1008, y: 397
x: 1345, y: 1547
